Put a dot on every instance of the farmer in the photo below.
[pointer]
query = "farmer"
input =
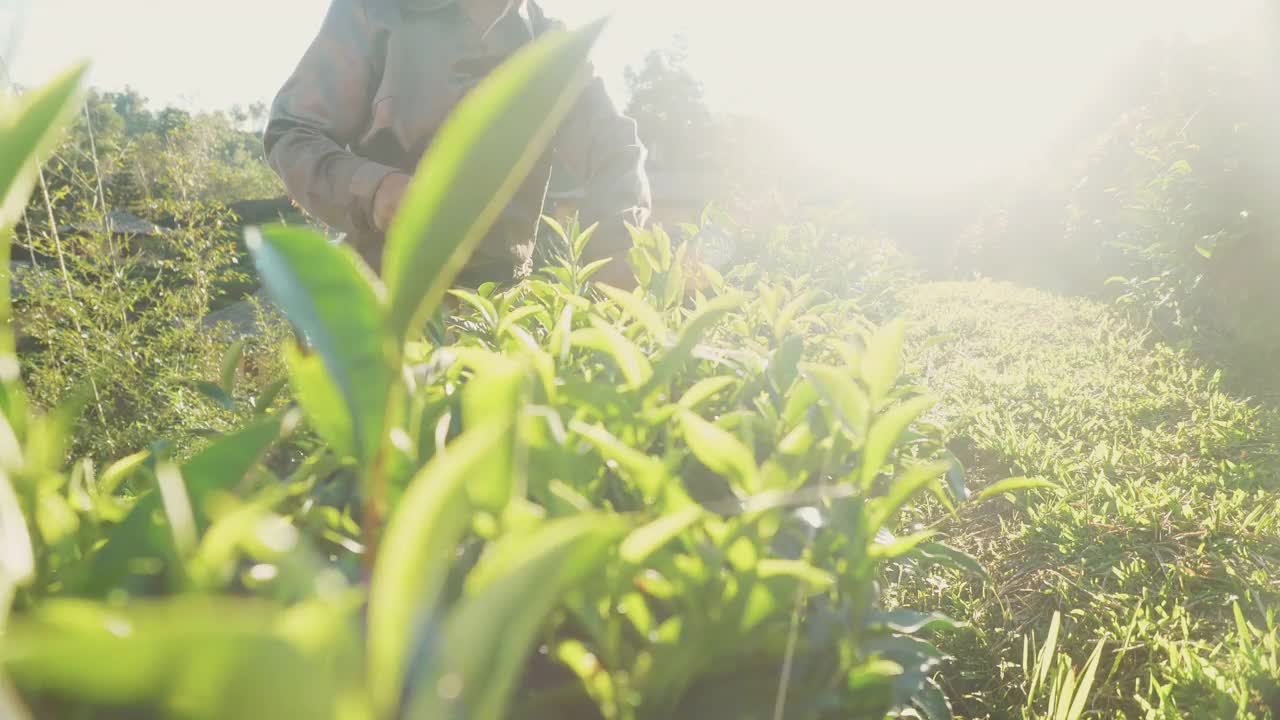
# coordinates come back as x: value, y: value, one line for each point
x: 349, y: 126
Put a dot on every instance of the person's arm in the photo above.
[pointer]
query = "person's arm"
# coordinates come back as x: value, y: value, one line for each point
x: 320, y: 112
x: 601, y: 147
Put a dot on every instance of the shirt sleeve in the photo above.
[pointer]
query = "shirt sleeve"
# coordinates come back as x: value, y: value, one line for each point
x: 601, y: 147
x: 318, y: 115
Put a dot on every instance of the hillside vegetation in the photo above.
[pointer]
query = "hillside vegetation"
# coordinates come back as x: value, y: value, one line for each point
x: 1167, y: 527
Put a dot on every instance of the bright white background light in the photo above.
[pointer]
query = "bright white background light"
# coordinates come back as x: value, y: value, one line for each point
x: 913, y: 94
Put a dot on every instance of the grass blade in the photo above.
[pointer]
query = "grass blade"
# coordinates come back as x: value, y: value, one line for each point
x: 231, y: 365
x: 1012, y: 485
x: 1085, y: 686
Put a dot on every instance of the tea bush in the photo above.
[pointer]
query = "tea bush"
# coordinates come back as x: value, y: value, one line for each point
x: 568, y: 500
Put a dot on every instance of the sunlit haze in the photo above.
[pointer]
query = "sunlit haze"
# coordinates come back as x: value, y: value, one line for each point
x: 908, y: 94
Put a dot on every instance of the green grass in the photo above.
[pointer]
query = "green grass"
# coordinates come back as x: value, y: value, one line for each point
x: 1169, y: 513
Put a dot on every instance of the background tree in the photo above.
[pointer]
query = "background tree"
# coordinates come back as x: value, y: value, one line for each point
x: 670, y: 106
x: 1161, y: 197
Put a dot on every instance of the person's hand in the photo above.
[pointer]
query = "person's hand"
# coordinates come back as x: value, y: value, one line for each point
x: 387, y: 198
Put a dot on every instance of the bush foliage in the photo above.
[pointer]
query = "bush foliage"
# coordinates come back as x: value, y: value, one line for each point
x: 640, y: 498
x: 797, y: 484
x: 1161, y: 199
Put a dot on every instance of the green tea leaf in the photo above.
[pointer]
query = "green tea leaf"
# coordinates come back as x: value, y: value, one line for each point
x: 491, y: 401
x: 479, y: 158
x: 321, y: 400
x: 588, y: 271
x: 223, y: 466
x: 692, y: 333
x: 788, y: 314
x: 581, y: 242
x: 848, y: 401
x: 882, y: 362
x: 638, y: 309
x: 557, y: 228
x: 196, y: 657
x: 267, y: 397
x: 902, y: 489
x: 541, y: 361
x: 784, y: 363
x: 486, y: 308
x: 704, y: 390
x: 641, y: 265
x: 561, y: 340
x: 885, y: 433
x: 721, y: 452
x: 219, y: 468
x: 329, y: 295
x: 29, y: 127
x: 604, y: 337
x: 647, y: 540
x: 17, y: 562
x: 415, y: 557
x: 512, y: 320
x: 48, y: 435
x: 648, y: 473
x: 177, y: 508
x: 487, y: 638
x: 803, y: 396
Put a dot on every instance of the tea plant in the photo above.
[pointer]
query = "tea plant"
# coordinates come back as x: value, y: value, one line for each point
x: 674, y: 501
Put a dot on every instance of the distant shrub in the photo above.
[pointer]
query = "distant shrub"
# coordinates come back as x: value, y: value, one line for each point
x: 1164, y: 201
x: 112, y: 304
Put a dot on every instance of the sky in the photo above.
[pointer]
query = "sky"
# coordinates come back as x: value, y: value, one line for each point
x: 910, y: 92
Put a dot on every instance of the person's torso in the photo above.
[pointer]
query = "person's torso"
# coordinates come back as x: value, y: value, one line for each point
x: 432, y: 57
